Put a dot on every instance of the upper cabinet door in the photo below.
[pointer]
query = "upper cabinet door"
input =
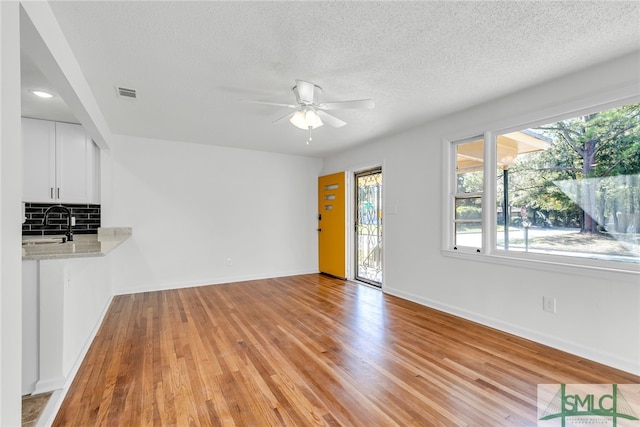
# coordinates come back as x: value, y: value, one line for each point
x: 60, y: 163
x: 39, y: 161
x: 74, y: 161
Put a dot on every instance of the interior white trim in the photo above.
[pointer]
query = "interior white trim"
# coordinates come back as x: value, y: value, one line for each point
x: 623, y: 95
x: 49, y: 384
x: 556, y: 263
x: 351, y: 220
x: 627, y: 365
x: 208, y: 282
x: 60, y: 391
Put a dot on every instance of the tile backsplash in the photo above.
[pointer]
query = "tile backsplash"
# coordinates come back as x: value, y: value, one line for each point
x: 87, y: 219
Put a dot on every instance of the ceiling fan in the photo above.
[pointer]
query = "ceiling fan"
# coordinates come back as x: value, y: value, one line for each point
x: 310, y: 112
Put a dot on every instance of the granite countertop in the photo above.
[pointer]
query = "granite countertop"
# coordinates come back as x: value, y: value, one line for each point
x: 83, y: 245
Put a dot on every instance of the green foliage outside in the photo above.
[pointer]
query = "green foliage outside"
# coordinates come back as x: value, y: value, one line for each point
x: 598, y: 155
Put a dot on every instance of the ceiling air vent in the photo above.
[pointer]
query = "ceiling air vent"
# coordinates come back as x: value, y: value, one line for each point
x: 123, y: 92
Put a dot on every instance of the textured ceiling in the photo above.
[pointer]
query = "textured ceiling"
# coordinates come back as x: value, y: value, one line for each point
x: 192, y: 62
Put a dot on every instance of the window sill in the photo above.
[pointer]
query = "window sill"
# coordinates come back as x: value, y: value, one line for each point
x: 628, y: 272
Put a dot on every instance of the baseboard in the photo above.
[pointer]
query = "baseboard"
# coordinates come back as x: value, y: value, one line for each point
x: 614, y: 361
x: 206, y: 282
x: 50, y: 411
x: 49, y: 385
x: 55, y: 401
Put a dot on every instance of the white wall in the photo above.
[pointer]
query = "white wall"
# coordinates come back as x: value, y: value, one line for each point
x: 10, y: 216
x: 193, y: 206
x: 598, y: 315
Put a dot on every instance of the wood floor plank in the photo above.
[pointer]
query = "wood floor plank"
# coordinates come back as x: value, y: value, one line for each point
x: 308, y: 350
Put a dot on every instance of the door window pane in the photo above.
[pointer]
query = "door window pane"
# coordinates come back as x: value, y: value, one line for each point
x: 368, y: 239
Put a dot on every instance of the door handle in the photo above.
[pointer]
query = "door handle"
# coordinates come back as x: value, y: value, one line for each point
x: 319, y: 229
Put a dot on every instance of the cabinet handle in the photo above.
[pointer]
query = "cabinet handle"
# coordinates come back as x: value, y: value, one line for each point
x: 51, y: 193
x: 58, y: 192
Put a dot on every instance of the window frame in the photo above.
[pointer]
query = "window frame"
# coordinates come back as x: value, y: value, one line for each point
x: 454, y: 196
x: 489, y: 251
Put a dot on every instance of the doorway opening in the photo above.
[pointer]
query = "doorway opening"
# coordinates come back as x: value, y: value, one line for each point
x: 368, y: 226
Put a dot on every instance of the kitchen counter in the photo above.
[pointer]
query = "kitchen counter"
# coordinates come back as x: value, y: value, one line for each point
x: 83, y: 245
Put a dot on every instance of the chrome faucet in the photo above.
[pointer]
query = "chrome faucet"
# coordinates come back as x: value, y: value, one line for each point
x: 66, y: 210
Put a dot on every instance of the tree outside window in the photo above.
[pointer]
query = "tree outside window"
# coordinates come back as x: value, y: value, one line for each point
x: 580, y: 195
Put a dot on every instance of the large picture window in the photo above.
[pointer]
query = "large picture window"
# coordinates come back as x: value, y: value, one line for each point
x: 568, y: 188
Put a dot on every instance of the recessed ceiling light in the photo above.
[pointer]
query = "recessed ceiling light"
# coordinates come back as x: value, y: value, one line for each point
x: 41, y: 94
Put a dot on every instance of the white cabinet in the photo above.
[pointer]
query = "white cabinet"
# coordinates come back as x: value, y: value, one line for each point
x: 60, y: 163
x: 38, y: 160
x: 30, y: 335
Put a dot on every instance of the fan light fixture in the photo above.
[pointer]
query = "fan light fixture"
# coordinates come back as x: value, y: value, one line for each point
x: 309, y: 109
x: 306, y: 118
x: 41, y: 94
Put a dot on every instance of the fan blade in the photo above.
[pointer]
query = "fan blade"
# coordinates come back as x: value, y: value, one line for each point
x: 330, y: 120
x: 343, y: 105
x: 304, y: 92
x: 276, y: 104
x: 283, y: 118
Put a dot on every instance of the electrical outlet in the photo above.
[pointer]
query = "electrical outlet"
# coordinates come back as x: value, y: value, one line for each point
x: 549, y: 304
x: 73, y: 221
x: 229, y: 262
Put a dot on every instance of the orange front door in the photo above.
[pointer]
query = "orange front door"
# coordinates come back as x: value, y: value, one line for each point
x: 331, y: 224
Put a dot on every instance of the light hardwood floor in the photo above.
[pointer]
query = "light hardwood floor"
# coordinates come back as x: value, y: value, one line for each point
x: 308, y: 350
